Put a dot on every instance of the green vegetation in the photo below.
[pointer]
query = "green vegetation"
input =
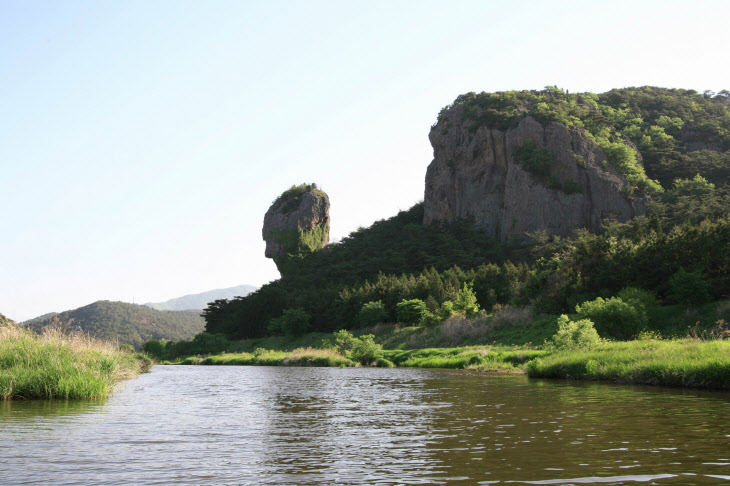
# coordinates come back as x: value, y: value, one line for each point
x: 127, y: 323
x: 5, y: 322
x: 574, y: 335
x: 59, y: 365
x: 446, y: 286
x: 535, y: 160
x: 679, y: 133
x: 691, y: 363
x: 293, y: 322
x: 570, y: 347
x: 290, y: 199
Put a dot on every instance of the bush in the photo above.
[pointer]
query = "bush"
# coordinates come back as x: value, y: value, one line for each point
x: 446, y: 310
x: 365, y: 350
x: 574, y: 334
x: 689, y: 288
x: 633, y: 295
x: 411, y: 311
x: 372, y: 313
x: 344, y: 340
x: 613, y: 317
x: 466, y: 300
x: 536, y: 160
x: 293, y: 322
x: 154, y: 348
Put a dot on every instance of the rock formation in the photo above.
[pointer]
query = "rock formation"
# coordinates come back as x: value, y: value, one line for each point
x: 296, y: 224
x: 480, y: 174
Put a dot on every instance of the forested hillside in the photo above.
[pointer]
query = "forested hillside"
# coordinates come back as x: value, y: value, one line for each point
x: 671, y: 144
x: 4, y: 321
x: 127, y: 323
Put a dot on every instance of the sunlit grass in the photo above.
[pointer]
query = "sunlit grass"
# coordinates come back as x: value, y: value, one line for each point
x: 682, y: 362
x: 57, y: 365
x: 485, y: 358
x: 266, y: 357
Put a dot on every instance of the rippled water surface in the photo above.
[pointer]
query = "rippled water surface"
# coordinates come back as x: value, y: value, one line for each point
x: 305, y: 426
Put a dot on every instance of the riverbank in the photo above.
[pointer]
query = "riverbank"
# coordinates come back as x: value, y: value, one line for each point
x: 680, y: 362
x: 685, y: 362
x: 54, y: 365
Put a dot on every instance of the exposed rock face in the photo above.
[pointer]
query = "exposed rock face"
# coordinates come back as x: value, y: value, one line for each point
x: 479, y: 174
x: 297, y: 222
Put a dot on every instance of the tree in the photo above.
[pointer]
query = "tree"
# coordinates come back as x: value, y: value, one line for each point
x: 411, y: 311
x: 292, y: 322
x: 372, y: 313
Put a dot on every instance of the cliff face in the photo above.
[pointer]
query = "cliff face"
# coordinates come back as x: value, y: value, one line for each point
x: 298, y: 222
x: 483, y: 174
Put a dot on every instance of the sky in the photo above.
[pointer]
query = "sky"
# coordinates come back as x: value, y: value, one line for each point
x: 141, y: 142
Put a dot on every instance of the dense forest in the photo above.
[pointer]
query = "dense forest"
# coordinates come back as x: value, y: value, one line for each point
x: 126, y: 323
x: 671, y: 144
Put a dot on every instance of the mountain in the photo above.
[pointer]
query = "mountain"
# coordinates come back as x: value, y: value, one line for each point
x: 4, y: 321
x: 44, y: 317
x: 200, y: 301
x: 542, y: 198
x: 127, y: 323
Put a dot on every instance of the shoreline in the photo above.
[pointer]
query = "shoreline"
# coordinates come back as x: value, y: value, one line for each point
x: 682, y: 363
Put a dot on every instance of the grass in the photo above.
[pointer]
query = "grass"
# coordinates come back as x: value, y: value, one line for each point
x: 263, y: 357
x: 697, y: 353
x: 501, y: 358
x: 682, y: 362
x: 56, y: 365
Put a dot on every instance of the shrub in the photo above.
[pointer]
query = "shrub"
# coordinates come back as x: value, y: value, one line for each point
x: 411, y: 311
x: 446, y: 310
x: 466, y: 300
x: 153, y: 347
x: 574, y: 334
x: 535, y: 160
x: 689, y: 288
x: 634, y: 295
x: 365, y: 349
x: 292, y: 322
x: 613, y: 317
x: 344, y: 340
x: 372, y: 313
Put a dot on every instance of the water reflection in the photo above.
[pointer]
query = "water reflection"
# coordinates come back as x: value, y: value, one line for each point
x: 251, y: 425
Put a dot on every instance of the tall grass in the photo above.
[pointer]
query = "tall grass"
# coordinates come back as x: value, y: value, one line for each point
x: 685, y: 362
x: 263, y: 357
x: 57, y: 365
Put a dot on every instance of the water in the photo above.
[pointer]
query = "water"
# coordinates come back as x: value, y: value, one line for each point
x: 307, y: 426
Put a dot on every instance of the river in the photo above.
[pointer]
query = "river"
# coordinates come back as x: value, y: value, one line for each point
x: 311, y: 426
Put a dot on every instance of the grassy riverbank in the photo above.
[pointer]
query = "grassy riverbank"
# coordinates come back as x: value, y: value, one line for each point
x: 57, y: 365
x: 685, y: 362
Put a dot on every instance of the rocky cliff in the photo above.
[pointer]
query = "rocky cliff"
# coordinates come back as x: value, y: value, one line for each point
x: 297, y: 223
x: 522, y: 179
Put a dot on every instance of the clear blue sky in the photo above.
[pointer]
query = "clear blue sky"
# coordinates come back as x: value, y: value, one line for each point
x: 141, y: 142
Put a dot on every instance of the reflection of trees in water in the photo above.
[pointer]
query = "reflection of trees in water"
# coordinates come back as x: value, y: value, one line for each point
x: 24, y: 410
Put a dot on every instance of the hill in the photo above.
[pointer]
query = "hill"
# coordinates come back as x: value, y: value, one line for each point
x: 4, y: 321
x: 201, y: 300
x: 44, y: 317
x: 127, y: 323
x: 667, y: 148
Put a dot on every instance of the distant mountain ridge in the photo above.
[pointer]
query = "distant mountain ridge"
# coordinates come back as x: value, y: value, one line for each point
x: 126, y: 323
x: 200, y: 301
